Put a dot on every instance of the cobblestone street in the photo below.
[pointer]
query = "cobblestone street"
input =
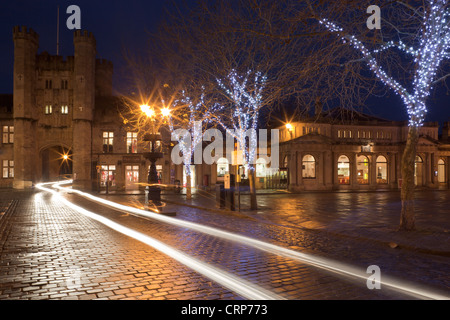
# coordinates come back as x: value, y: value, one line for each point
x: 51, y: 251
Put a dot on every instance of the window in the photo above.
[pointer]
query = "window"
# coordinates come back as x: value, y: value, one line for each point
x: 418, y: 171
x: 132, y: 177
x: 285, y: 162
x: 8, y: 169
x: 441, y: 171
x: 64, y: 109
x: 132, y: 142
x: 108, y: 175
x: 64, y: 84
x: 308, y: 167
x: 48, y: 84
x: 362, y: 169
x: 381, y: 170
x: 343, y: 170
x: 222, y: 167
x: 48, y: 109
x: 8, y: 134
x: 108, y: 141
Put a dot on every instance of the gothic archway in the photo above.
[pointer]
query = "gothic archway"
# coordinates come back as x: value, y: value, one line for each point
x: 56, y: 163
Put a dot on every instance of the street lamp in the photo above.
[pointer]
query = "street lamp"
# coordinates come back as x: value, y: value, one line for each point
x: 289, y: 128
x: 153, y: 191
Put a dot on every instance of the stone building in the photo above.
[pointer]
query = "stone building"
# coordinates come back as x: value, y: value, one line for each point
x: 353, y: 151
x: 62, y: 120
x: 53, y: 108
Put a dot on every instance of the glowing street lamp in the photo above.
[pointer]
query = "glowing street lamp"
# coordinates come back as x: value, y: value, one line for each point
x: 289, y: 127
x: 149, y: 112
x: 165, y: 112
x: 152, y: 191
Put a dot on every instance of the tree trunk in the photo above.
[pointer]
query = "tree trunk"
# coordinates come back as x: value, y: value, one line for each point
x: 252, y: 180
x: 407, y: 219
x: 188, y: 186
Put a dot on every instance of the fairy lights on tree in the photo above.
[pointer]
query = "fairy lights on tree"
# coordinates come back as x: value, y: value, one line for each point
x: 239, y: 114
x: 428, y: 51
x: 186, y: 125
x: 432, y: 50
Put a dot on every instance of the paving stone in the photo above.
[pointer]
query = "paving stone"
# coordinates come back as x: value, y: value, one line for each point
x: 71, y: 256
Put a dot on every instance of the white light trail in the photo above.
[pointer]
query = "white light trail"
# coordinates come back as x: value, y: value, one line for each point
x: 233, y: 283
x: 325, y: 264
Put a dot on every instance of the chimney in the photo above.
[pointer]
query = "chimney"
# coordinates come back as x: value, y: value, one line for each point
x: 446, y: 131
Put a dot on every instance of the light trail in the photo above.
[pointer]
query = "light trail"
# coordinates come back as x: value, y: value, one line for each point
x: 233, y: 283
x: 322, y: 263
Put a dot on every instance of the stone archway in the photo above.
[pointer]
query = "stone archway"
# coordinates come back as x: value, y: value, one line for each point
x: 56, y: 163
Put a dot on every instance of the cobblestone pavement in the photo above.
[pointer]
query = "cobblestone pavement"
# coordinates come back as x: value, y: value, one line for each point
x: 49, y: 251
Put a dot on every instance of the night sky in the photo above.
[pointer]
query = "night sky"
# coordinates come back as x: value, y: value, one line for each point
x: 124, y: 24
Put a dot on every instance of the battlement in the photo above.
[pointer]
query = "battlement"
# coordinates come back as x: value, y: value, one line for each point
x: 22, y: 32
x: 45, y: 61
x: 103, y: 63
x: 84, y: 36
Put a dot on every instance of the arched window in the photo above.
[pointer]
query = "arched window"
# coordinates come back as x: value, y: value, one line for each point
x: 222, y: 167
x: 362, y: 169
x: 381, y: 170
x: 308, y: 167
x: 285, y: 162
x: 441, y: 171
x: 343, y: 170
x: 418, y: 171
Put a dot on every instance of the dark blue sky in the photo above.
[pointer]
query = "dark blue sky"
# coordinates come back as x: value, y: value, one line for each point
x: 115, y: 25
x: 119, y: 24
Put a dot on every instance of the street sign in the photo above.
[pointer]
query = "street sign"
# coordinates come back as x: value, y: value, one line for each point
x: 227, y: 181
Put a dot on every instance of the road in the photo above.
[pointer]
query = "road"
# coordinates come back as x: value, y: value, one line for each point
x: 52, y: 251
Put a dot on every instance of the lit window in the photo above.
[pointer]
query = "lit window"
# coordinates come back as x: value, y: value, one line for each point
x: 108, y: 141
x: 48, y: 109
x: 64, y: 109
x: 285, y: 161
x: 343, y: 170
x: 381, y: 170
x: 8, y: 169
x: 222, y: 167
x: 362, y: 169
x: 8, y: 134
x: 309, y: 167
x: 108, y: 175
x: 132, y: 142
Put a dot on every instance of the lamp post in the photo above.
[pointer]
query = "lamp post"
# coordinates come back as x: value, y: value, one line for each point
x: 153, y: 191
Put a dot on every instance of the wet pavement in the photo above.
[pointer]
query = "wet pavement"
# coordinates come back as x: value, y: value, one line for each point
x: 49, y: 251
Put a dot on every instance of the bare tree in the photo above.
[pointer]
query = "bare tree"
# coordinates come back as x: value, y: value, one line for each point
x: 407, y: 56
x: 187, y: 123
x: 202, y: 46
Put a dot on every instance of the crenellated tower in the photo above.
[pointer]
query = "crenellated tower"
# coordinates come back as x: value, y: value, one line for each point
x: 26, y: 43
x: 83, y: 107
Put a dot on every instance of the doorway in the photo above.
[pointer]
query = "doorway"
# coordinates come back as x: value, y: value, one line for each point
x: 56, y: 164
x: 131, y: 177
